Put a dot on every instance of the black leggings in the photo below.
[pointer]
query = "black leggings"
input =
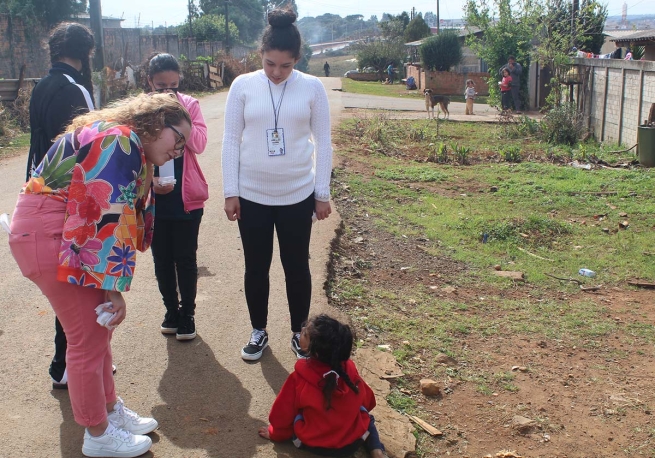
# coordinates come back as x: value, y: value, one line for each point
x: 293, y: 224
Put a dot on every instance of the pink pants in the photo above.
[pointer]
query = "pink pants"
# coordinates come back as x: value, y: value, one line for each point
x: 35, y: 239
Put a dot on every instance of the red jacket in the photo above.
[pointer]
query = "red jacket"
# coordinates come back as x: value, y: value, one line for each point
x: 505, y: 84
x: 337, y: 427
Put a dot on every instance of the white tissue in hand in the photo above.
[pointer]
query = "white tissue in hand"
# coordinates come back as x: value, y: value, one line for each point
x: 164, y: 181
x: 104, y: 316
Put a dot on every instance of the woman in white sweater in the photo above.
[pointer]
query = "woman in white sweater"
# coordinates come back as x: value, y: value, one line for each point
x: 277, y: 161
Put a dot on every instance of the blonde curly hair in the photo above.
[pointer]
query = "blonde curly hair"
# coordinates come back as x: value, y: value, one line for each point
x: 145, y: 114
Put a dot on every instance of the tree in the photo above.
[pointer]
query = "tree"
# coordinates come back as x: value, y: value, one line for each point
x: 379, y: 54
x: 441, y: 52
x: 49, y: 12
x: 248, y: 15
x: 305, y: 56
x: 416, y: 29
x: 505, y: 32
x: 394, y: 27
x: 430, y: 19
x: 209, y: 27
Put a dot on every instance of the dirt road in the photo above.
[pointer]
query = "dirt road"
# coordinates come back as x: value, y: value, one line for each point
x: 209, y: 403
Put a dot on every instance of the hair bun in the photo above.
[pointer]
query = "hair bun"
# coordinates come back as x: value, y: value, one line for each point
x: 281, y: 17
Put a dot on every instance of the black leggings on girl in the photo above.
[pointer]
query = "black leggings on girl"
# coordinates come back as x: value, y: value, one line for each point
x: 293, y: 225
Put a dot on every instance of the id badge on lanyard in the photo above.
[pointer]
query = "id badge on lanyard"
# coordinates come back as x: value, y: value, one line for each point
x: 275, y: 142
x: 275, y: 137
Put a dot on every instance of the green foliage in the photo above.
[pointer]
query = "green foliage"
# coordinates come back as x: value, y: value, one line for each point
x: 394, y: 27
x: 50, y: 12
x: 507, y: 29
x: 332, y: 27
x: 379, y: 54
x: 441, y: 52
x: 512, y: 154
x: 638, y: 52
x: 209, y: 27
x: 247, y: 15
x: 416, y: 29
x: 562, y: 125
x: 305, y: 56
x: 461, y: 154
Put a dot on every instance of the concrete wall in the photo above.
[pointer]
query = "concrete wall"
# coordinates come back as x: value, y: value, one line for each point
x: 447, y: 83
x: 619, y: 95
x: 21, y: 45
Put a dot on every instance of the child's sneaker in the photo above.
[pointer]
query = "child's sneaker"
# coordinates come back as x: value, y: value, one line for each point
x: 295, y: 346
x: 115, y: 442
x: 124, y: 418
x: 258, y: 342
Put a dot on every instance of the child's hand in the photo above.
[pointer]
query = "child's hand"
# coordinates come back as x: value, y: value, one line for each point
x: 263, y: 432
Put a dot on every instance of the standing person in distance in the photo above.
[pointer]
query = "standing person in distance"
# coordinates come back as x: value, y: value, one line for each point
x: 277, y: 161
x: 469, y: 96
x: 515, y: 71
x: 60, y: 96
x: 75, y: 231
x: 506, y: 91
x: 326, y: 68
x: 179, y: 210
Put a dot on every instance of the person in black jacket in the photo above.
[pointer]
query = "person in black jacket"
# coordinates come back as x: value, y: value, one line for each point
x: 63, y: 94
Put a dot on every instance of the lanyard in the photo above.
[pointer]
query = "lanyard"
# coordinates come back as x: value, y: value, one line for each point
x: 276, y: 110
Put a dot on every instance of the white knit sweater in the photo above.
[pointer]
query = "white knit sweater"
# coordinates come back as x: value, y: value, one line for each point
x: 306, y: 166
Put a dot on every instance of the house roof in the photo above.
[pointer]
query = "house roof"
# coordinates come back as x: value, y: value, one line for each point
x: 461, y: 33
x: 641, y: 36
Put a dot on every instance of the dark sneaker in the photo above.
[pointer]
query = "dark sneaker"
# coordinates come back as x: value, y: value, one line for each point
x: 187, y: 328
x: 171, y: 322
x: 258, y: 342
x: 295, y: 346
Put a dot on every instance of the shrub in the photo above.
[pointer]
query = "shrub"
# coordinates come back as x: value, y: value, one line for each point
x: 441, y: 52
x: 562, y: 125
x: 512, y: 154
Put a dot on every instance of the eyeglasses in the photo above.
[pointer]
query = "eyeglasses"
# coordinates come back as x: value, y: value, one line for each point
x: 164, y: 89
x: 181, y: 140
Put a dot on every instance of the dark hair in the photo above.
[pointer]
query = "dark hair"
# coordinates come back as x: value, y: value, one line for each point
x: 281, y: 34
x: 75, y: 41
x: 162, y: 62
x: 511, y: 58
x: 331, y: 342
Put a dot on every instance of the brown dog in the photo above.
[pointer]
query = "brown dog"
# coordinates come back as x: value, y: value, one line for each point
x: 432, y: 100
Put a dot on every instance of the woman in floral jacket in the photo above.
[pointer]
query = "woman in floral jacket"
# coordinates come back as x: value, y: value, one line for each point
x: 75, y: 230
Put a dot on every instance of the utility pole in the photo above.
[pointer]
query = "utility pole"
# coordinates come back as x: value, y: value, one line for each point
x: 227, y: 30
x: 438, y: 22
x: 190, y: 17
x: 95, y: 17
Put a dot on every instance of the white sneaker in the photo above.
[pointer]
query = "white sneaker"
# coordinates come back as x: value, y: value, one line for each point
x: 115, y: 443
x: 124, y: 418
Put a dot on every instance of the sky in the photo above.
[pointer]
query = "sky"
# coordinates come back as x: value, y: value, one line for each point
x: 173, y: 12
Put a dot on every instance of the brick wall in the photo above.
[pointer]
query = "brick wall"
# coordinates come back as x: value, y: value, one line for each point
x: 447, y: 83
x: 620, y: 94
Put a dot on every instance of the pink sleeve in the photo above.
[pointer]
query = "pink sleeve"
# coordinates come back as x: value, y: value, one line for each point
x: 198, y: 139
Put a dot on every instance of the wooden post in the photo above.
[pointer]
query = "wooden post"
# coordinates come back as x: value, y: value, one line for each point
x: 95, y: 16
x: 621, y: 105
x: 591, y: 97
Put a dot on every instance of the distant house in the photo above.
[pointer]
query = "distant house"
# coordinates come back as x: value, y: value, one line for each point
x: 108, y: 22
x: 470, y: 61
x: 645, y: 38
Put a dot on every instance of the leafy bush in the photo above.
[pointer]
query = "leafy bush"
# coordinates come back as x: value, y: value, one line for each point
x: 441, y: 52
x: 461, y: 154
x: 562, y: 125
x: 512, y: 154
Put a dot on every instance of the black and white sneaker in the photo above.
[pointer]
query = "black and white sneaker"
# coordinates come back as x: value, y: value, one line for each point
x: 258, y: 342
x: 171, y: 322
x: 186, y: 329
x: 295, y: 346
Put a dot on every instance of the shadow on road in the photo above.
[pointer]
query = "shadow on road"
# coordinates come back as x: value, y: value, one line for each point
x: 206, y: 407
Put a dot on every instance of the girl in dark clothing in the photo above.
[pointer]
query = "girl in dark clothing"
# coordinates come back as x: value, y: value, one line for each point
x: 63, y: 94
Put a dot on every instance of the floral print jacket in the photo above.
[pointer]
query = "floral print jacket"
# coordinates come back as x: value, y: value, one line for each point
x: 99, y: 171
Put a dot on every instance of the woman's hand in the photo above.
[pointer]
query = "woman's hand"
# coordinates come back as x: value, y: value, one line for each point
x: 263, y: 432
x: 117, y: 306
x: 322, y: 209
x: 232, y: 208
x: 162, y: 188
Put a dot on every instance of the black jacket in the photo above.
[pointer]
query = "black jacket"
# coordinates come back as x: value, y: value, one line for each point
x: 56, y: 100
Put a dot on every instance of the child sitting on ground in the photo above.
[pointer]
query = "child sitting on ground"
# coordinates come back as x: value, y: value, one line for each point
x: 324, y: 405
